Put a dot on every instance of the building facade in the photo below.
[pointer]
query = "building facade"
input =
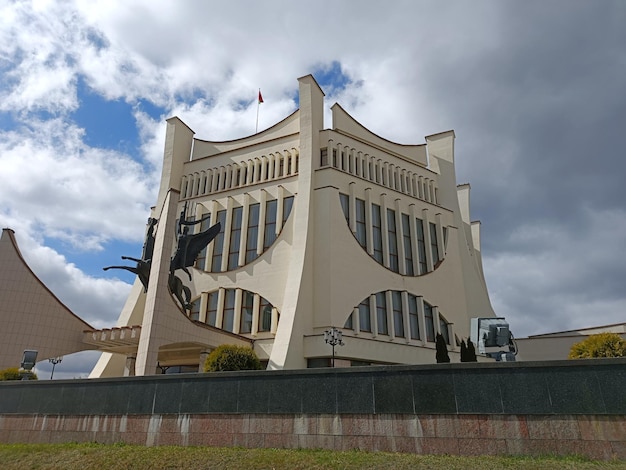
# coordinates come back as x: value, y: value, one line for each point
x: 321, y: 227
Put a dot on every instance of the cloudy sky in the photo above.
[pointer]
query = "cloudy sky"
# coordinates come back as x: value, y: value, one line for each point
x: 535, y: 92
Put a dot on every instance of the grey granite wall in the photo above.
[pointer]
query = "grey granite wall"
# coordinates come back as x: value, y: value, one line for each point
x: 583, y: 387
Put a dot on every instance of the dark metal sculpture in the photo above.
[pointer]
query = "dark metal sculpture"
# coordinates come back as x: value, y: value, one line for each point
x: 142, y: 270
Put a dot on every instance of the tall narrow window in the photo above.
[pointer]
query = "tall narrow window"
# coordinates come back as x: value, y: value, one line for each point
x: 443, y: 329
x: 335, y: 158
x: 377, y: 235
x: 445, y: 239
x: 392, y: 240
x: 434, y: 245
x: 408, y: 248
x: 287, y: 206
x: 194, y: 313
x: 365, y: 322
x: 218, y: 244
x: 235, y: 239
x: 381, y: 313
x: 348, y: 323
x: 229, y: 310
x: 323, y: 157
x: 270, y: 223
x: 253, y: 232
x: 421, y: 245
x: 398, y: 319
x: 361, y: 235
x: 201, y: 259
x: 265, y: 313
x: 344, y: 199
x: 430, y: 322
x: 413, y: 317
x: 211, y: 313
x: 247, y: 309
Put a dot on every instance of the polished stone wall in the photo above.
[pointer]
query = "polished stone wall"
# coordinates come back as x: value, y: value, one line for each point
x: 565, y: 407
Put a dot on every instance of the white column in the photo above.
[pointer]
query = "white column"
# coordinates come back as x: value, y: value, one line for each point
x: 356, y: 321
x: 219, y: 316
x: 204, y: 301
x: 274, y: 320
x: 237, y: 315
x: 255, y: 314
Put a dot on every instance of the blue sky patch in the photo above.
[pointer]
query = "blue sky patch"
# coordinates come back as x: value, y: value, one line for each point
x: 331, y: 77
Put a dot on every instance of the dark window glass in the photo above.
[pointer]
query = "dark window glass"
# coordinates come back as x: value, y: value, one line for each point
x: 201, y: 259
x: 392, y: 240
x: 335, y: 158
x: 365, y: 322
x: 361, y: 235
x: 445, y: 238
x: 287, y: 205
x: 433, y: 243
x: 194, y: 313
x: 270, y: 223
x: 323, y: 157
x: 408, y: 247
x: 211, y: 313
x: 265, y: 313
x: 344, y: 199
x: 398, y: 319
x: 430, y: 322
x: 421, y: 245
x: 229, y: 310
x: 218, y: 244
x: 235, y: 238
x: 381, y: 313
x: 443, y: 329
x: 348, y: 323
x: 377, y: 236
x: 413, y: 317
x: 253, y: 232
x: 247, y: 306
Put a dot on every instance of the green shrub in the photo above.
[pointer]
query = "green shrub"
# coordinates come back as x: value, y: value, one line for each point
x: 599, y: 345
x: 13, y: 373
x: 230, y: 357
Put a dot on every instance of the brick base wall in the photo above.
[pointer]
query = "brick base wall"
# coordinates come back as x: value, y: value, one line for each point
x: 593, y: 436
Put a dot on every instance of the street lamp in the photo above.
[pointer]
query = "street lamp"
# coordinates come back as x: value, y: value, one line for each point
x: 334, y: 338
x: 54, y: 361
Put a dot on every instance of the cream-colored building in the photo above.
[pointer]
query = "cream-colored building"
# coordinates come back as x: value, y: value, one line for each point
x: 321, y: 227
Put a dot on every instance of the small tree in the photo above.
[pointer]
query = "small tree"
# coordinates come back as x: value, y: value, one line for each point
x: 599, y: 345
x: 463, y: 351
x: 229, y: 357
x: 442, y: 349
x: 471, y: 352
x: 13, y: 373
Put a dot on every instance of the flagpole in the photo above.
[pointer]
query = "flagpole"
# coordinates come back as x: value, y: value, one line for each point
x: 258, y: 105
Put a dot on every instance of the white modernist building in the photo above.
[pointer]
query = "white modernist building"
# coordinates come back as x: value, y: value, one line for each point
x: 321, y: 227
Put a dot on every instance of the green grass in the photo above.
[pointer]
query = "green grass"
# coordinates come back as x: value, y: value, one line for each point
x: 119, y: 457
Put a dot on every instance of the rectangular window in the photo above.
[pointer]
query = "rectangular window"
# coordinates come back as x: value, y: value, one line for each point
x: 381, y: 313
x: 408, y: 246
x: 229, y: 310
x: 287, y: 205
x: 421, y: 245
x: 365, y: 322
x: 335, y: 158
x: 344, y: 199
x: 211, y: 313
x: 443, y: 329
x: 413, y: 317
x: 398, y: 319
x: 434, y: 246
x: 253, y: 232
x: 270, y: 223
x: 348, y: 323
x: 430, y: 323
x: 235, y: 239
x: 360, y: 223
x: 201, y: 259
x: 377, y: 234
x: 392, y: 240
x: 218, y: 244
x: 247, y: 306
x: 323, y: 157
x: 194, y: 313
x: 445, y: 238
x: 265, y: 313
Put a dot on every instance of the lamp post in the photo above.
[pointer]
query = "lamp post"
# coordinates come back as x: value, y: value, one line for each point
x: 333, y: 336
x: 54, y: 361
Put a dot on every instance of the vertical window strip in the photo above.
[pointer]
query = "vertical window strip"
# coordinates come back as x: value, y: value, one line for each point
x: 324, y: 157
x: 247, y: 310
x: 253, y: 232
x: 408, y: 248
x: 201, y: 259
x: 413, y: 317
x: 392, y: 240
x: 433, y: 243
x: 398, y: 320
x: 287, y: 206
x: 229, y: 310
x: 265, y: 313
x: 381, y: 313
x: 194, y: 312
x: 344, y: 199
x: 235, y: 238
x: 430, y: 322
x: 365, y: 323
x: 218, y: 244
x: 211, y: 314
x: 377, y: 235
x: 421, y: 246
x: 270, y: 223
x: 443, y: 329
x: 349, y: 322
x: 361, y: 233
